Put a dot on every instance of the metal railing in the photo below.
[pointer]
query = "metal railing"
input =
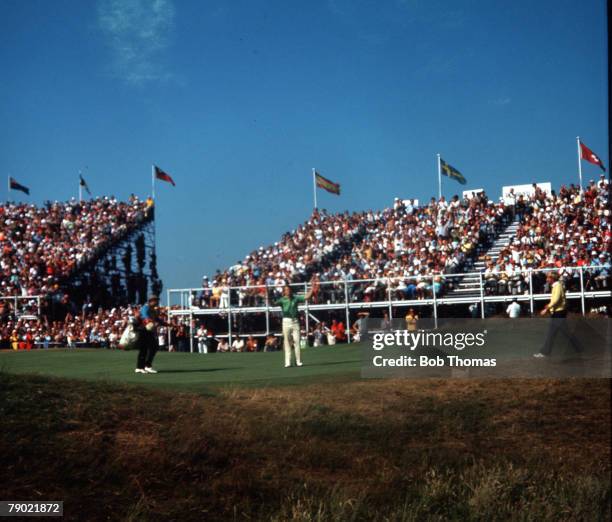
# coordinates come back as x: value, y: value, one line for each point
x: 389, y: 293
x: 22, y: 305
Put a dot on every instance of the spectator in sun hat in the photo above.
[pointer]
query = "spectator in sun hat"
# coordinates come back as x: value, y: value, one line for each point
x: 602, y: 183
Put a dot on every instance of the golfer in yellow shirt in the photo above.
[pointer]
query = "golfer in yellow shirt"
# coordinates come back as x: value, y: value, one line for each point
x: 556, y: 307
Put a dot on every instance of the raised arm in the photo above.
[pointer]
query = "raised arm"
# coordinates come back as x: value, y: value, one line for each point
x: 309, y: 293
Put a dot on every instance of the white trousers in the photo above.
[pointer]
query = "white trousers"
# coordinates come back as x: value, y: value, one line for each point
x: 291, y: 335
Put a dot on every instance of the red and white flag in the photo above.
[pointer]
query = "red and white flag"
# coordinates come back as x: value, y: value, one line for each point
x: 160, y: 174
x: 588, y: 155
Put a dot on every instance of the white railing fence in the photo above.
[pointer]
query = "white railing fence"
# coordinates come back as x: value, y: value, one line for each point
x: 432, y: 290
x: 23, y: 306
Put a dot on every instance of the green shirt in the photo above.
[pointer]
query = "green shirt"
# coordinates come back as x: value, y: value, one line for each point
x: 289, y: 305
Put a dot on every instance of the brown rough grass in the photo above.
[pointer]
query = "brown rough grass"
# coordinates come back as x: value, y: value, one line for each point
x: 384, y: 450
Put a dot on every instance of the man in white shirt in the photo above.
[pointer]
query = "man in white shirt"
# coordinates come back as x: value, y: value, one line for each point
x: 238, y: 345
x: 201, y: 335
x: 410, y: 207
x: 225, y: 295
x: 223, y: 345
x: 513, y: 310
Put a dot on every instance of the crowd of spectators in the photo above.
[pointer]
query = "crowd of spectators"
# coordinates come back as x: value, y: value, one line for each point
x: 403, y: 246
x: 556, y: 231
x: 100, y: 328
x: 292, y: 259
x: 42, y: 246
x: 103, y: 329
x: 406, y: 251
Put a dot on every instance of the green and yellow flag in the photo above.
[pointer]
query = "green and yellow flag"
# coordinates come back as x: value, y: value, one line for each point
x: 451, y: 172
x: 326, y: 184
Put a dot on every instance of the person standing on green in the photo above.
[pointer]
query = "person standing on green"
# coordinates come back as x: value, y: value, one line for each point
x: 291, y: 326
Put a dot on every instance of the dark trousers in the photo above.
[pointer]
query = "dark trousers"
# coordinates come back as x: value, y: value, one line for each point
x: 147, y: 348
x: 558, y: 324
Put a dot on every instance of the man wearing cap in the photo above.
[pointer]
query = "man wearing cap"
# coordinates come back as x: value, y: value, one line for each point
x: 291, y: 326
x: 557, y: 308
x: 514, y: 309
x: 147, y: 338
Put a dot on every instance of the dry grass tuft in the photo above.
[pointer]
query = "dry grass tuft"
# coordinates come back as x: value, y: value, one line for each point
x: 384, y: 450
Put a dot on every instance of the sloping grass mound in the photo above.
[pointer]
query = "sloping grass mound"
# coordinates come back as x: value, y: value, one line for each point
x: 385, y: 450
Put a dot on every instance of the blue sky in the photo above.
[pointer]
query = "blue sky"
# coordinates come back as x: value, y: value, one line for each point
x: 239, y: 100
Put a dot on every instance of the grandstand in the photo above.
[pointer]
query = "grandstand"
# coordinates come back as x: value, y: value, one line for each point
x: 460, y: 257
x: 70, y: 271
x: 73, y: 273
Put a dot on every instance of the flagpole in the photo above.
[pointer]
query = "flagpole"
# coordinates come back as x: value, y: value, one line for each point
x: 314, y: 187
x: 579, y: 162
x: 439, y: 178
x: 153, y: 181
x: 8, y: 184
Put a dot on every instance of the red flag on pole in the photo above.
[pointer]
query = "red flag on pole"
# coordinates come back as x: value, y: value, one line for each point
x: 160, y: 174
x: 588, y: 155
x: 13, y: 185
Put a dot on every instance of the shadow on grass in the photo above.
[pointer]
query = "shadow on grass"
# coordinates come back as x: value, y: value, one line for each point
x: 201, y: 370
x: 331, y: 363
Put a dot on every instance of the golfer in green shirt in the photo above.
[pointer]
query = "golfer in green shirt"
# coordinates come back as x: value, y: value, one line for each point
x: 291, y: 325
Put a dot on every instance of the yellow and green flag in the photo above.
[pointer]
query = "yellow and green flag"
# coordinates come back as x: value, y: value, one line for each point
x: 451, y: 172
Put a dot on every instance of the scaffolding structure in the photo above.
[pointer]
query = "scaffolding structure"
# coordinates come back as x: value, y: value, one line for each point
x: 124, y: 273
x: 182, y: 301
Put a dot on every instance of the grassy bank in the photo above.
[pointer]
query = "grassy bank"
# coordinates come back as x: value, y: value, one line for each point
x: 355, y: 450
